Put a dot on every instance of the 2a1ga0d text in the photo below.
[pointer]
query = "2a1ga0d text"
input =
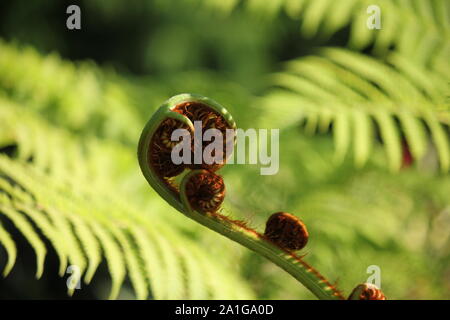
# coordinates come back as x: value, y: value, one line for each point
x: 245, y: 309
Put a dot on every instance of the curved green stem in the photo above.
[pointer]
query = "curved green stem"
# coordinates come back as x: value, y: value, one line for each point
x: 231, y: 229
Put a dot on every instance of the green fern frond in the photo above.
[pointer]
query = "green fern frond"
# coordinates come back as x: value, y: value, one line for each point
x: 113, y: 254
x: 95, y: 103
x: 359, y: 95
x: 64, y: 194
x: 28, y: 232
x: 11, y: 250
x: 415, y: 28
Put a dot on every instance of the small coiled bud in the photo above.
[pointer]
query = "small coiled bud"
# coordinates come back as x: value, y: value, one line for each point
x: 286, y: 231
x: 205, y: 191
x: 367, y: 291
x: 159, y: 152
x: 209, y: 119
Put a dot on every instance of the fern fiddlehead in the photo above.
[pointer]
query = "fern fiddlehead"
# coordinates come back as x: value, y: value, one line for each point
x: 201, y: 191
x: 366, y: 291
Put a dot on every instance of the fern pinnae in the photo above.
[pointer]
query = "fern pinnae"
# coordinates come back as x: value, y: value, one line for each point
x: 76, y: 255
x: 172, y: 265
x: 15, y: 191
x: 313, y: 14
x: 25, y: 146
x: 196, y: 288
x: 48, y: 229
x: 430, y: 83
x: 8, y: 243
x: 363, y: 137
x: 415, y: 134
x: 28, y: 232
x: 337, y: 16
x: 341, y: 136
x: 40, y: 140
x: 132, y: 262
x: 382, y: 91
x: 58, y: 163
x: 154, y: 269
x: 64, y: 237
x: 391, y: 139
x: 90, y: 245
x: 213, y: 276
x: 114, y: 257
x: 441, y: 139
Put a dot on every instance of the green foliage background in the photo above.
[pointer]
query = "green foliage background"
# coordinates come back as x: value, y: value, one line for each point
x: 351, y: 104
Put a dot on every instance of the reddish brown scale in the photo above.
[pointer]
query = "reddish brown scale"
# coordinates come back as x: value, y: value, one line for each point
x: 196, y: 111
x: 205, y: 191
x: 286, y: 231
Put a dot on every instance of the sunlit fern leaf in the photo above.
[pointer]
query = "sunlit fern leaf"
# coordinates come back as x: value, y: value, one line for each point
x: 172, y: 267
x: 95, y: 103
x: 357, y: 91
x: 64, y: 194
x: 90, y: 246
x: 153, y: 269
x: 196, y: 286
x: 28, y: 232
x: 135, y: 272
x: 49, y: 230
x: 8, y: 243
x: 419, y: 29
x: 113, y: 254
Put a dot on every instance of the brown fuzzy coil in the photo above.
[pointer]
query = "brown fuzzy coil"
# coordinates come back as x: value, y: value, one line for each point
x: 159, y: 152
x: 286, y: 231
x: 161, y: 162
x: 367, y: 291
x: 205, y: 191
x: 210, y: 119
x: 162, y: 136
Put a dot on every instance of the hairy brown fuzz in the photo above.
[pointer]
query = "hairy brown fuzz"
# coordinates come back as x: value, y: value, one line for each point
x: 162, y: 136
x: 159, y: 153
x: 286, y: 231
x: 210, y: 119
x: 205, y: 191
x: 367, y: 291
x: 161, y: 162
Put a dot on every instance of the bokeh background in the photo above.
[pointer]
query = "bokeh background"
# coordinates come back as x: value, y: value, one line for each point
x: 364, y: 144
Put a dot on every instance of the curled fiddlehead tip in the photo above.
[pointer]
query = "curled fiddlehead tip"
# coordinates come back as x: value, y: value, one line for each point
x: 205, y: 191
x: 156, y: 145
x: 286, y: 231
x: 160, y: 148
x: 162, y: 136
x: 210, y: 119
x: 367, y: 291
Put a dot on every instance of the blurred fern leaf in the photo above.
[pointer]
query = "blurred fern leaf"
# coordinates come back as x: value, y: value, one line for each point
x: 358, y: 97
x: 48, y: 193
